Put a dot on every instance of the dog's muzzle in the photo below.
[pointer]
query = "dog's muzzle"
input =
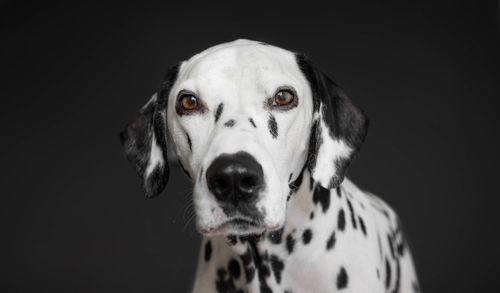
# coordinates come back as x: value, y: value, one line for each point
x: 235, y: 178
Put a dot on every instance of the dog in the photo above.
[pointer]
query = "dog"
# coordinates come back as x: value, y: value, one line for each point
x: 266, y: 138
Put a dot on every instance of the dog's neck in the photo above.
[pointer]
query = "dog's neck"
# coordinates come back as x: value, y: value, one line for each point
x: 300, y: 204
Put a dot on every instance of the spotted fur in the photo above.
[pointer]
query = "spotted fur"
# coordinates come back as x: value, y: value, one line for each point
x: 309, y: 229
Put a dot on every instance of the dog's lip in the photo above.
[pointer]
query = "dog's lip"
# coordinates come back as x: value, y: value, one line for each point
x: 236, y: 225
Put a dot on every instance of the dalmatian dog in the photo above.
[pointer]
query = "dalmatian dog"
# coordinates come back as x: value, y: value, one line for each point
x: 266, y: 138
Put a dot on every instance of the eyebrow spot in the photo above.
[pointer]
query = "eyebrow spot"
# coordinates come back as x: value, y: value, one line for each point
x: 252, y: 122
x: 218, y: 112
x: 273, y: 126
x: 229, y: 123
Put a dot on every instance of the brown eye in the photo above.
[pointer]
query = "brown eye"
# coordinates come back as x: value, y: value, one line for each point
x: 189, y: 102
x: 283, y: 97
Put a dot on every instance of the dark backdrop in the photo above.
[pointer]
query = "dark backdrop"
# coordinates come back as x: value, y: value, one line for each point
x: 73, y: 218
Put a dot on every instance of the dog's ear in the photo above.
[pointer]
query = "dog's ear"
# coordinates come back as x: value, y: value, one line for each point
x: 144, y: 140
x: 338, y: 129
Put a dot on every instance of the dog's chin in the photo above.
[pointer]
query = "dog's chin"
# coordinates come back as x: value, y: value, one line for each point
x: 236, y: 226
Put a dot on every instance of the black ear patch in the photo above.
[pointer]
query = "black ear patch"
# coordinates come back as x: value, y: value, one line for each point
x: 138, y: 143
x: 144, y: 140
x: 338, y: 129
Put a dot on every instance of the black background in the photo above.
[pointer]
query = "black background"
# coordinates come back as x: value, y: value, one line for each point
x: 73, y: 218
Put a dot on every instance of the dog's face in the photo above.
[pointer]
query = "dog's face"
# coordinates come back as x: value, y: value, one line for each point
x: 245, y: 119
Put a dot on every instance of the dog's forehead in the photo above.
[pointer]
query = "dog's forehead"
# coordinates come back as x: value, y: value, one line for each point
x: 240, y: 65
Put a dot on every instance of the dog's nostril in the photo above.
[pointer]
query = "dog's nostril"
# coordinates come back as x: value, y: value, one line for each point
x: 248, y: 182
x: 221, y: 184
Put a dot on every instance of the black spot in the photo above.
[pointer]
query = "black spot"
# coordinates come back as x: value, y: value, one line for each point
x: 290, y: 177
x: 264, y: 256
x: 391, y: 246
x: 339, y: 192
x: 315, y: 141
x: 221, y: 273
x: 341, y: 164
x: 378, y: 274
x: 189, y: 142
x: 229, y: 123
x: 322, y: 195
x: 273, y: 126
x: 311, y: 216
x: 362, y: 225
x: 223, y: 285
x: 379, y: 245
x: 277, y: 265
x: 252, y: 122
x: 246, y: 258
x: 208, y: 250
x: 264, y: 288
x: 342, y: 279
x: 294, y: 186
x: 307, y: 236
x: 290, y: 243
x: 311, y: 183
x: 275, y: 236
x: 234, y: 268
x: 331, y: 241
x: 353, y: 217
x: 262, y: 267
x: 218, y: 112
x: 401, y: 248
x: 397, y: 280
x: 249, y: 274
x: 387, y: 273
x: 341, y: 220
x: 231, y: 239
x: 201, y: 173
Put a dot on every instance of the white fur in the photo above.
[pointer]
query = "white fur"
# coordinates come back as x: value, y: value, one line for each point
x: 242, y: 75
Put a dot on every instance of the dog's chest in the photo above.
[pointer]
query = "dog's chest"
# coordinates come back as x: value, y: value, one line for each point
x: 330, y: 242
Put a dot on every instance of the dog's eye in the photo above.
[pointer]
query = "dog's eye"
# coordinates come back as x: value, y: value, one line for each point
x: 283, y: 97
x: 188, y: 102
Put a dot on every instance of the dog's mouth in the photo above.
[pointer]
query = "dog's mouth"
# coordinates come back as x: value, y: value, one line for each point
x: 236, y: 226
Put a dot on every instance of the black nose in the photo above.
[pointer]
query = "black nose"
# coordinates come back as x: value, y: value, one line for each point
x: 235, y: 177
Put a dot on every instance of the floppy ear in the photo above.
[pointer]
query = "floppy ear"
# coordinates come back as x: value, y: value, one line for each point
x: 144, y: 140
x: 338, y: 129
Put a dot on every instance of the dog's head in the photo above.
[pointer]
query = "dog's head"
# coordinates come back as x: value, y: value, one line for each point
x: 246, y: 119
